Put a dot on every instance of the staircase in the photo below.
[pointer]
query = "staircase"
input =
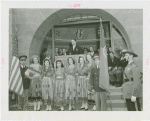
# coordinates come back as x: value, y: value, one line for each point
x: 116, y: 101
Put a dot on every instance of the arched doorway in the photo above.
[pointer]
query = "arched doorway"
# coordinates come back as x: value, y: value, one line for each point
x: 117, y: 31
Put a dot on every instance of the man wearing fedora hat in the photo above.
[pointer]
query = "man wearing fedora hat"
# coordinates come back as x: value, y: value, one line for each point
x: 132, y: 88
x: 22, y: 101
x: 100, y: 94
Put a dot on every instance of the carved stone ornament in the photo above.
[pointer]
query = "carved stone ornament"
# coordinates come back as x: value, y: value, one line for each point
x: 79, y: 33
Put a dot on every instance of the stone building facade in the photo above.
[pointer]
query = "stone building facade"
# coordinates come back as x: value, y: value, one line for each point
x: 33, y: 25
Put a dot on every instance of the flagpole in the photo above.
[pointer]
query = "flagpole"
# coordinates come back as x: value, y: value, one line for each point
x: 103, y: 58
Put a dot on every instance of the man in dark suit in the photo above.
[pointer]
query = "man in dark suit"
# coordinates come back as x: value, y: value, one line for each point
x: 74, y: 49
x: 100, y: 94
x: 114, y: 71
x: 23, y: 101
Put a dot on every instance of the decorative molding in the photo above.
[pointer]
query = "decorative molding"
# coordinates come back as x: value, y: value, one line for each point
x: 78, y: 33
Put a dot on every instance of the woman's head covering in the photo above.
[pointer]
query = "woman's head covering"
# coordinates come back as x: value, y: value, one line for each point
x: 35, y: 56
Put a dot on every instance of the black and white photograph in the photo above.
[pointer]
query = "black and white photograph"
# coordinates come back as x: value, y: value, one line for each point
x: 75, y: 60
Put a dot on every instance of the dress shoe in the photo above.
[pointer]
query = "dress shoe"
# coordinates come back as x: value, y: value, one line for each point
x: 86, y: 109
x: 59, y: 109
x: 39, y: 110
x: 82, y: 108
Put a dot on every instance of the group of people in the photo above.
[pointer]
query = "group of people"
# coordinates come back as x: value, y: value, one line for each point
x: 61, y: 85
x: 74, y: 49
x: 58, y: 84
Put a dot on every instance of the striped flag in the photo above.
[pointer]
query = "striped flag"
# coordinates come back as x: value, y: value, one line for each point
x: 15, y: 80
x: 104, y: 77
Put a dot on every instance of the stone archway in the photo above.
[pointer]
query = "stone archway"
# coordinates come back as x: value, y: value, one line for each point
x: 58, y: 16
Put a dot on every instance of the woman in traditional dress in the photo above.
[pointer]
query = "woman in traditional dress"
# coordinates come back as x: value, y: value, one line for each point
x: 47, y: 85
x: 36, y: 89
x: 59, y: 91
x: 82, y: 87
x: 90, y: 64
x: 71, y: 83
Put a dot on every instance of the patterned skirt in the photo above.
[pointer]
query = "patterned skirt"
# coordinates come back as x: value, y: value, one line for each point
x: 36, y: 89
x: 82, y: 89
x: 59, y: 91
x: 70, y: 90
x: 47, y: 90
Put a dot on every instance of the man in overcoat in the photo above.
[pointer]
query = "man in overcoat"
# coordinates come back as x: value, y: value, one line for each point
x: 100, y: 94
x: 132, y: 88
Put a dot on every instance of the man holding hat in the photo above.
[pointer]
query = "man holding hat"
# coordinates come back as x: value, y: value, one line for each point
x: 132, y: 88
x: 100, y: 94
x: 26, y: 82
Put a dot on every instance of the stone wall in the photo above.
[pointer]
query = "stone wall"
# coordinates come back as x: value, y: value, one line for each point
x: 132, y: 21
x: 28, y: 21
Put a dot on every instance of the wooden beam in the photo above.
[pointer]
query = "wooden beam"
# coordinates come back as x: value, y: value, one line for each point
x: 111, y: 39
x: 82, y: 40
x: 53, y: 44
x: 80, y: 23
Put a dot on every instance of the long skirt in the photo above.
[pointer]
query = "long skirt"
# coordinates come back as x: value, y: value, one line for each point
x: 70, y: 92
x: 47, y: 91
x: 82, y: 89
x: 36, y: 89
x: 91, y: 96
x: 59, y: 92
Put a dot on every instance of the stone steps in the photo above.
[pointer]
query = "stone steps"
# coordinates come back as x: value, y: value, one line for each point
x: 115, y: 99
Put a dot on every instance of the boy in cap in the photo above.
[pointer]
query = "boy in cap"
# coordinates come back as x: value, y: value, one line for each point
x: 23, y: 101
x: 100, y: 94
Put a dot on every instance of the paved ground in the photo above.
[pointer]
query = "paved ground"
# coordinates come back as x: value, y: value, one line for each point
x: 12, y: 107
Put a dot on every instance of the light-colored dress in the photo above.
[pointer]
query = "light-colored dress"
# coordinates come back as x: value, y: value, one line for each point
x: 48, y: 86
x: 59, y: 91
x: 71, y: 85
x: 36, y: 89
x: 82, y: 87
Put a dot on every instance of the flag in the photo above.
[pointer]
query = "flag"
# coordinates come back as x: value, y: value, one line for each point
x: 15, y: 80
x: 104, y: 76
